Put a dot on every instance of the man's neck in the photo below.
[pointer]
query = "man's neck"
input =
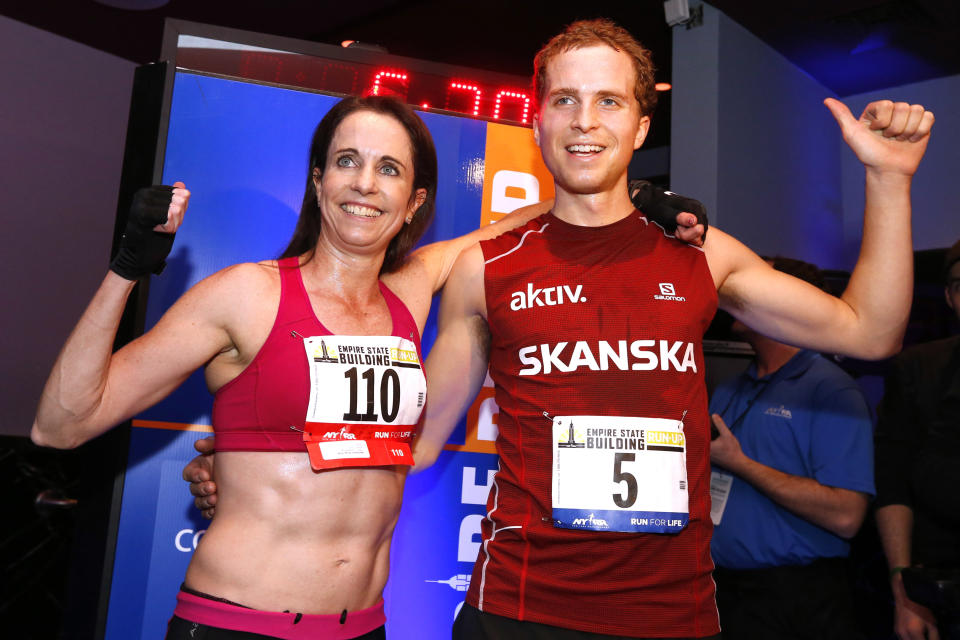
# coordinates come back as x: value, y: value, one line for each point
x: 593, y: 209
x: 771, y: 355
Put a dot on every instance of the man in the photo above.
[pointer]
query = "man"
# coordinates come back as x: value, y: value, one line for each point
x: 625, y: 343
x: 576, y: 324
x: 795, y: 432
x: 918, y: 465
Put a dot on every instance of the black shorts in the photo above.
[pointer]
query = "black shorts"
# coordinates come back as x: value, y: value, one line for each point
x: 472, y: 624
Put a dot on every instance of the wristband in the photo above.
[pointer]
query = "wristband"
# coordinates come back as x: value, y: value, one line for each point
x: 895, y: 570
x: 143, y: 250
x: 662, y: 206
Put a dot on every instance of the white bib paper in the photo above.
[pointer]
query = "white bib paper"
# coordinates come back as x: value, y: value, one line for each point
x: 614, y: 473
x: 366, y: 395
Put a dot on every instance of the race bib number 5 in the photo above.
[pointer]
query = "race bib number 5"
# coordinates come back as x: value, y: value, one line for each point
x: 366, y: 395
x: 615, y: 473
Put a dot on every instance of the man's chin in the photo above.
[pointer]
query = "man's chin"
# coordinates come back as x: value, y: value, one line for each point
x: 587, y: 187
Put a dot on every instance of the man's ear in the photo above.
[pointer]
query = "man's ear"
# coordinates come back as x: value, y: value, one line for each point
x: 642, y: 132
x: 536, y: 129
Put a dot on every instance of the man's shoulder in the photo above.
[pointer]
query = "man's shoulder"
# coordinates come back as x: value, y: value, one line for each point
x: 514, y: 239
x: 824, y: 366
x: 826, y: 379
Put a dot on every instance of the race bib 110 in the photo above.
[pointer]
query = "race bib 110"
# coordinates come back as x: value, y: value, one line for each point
x: 366, y: 396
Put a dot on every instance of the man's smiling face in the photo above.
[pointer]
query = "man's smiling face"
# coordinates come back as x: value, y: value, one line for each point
x: 589, y: 123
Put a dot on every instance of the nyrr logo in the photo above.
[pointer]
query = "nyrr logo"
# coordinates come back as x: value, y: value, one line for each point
x: 590, y: 521
x: 546, y: 297
x: 668, y: 292
x: 343, y: 434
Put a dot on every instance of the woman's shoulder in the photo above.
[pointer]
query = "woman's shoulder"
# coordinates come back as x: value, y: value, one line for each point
x: 412, y: 282
x: 246, y: 273
x: 237, y: 285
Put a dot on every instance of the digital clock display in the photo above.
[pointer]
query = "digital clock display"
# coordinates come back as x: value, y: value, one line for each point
x: 347, y: 71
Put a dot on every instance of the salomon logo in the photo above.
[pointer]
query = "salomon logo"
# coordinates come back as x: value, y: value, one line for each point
x: 668, y: 292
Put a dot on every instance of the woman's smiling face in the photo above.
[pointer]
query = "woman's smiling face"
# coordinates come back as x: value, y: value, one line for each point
x: 365, y: 193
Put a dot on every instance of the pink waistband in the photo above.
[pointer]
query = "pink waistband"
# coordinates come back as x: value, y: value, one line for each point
x: 289, y: 626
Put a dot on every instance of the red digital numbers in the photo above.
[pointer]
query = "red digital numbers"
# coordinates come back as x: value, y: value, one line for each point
x: 424, y: 88
x: 462, y: 96
x: 392, y: 78
x: 515, y: 96
x: 502, y: 96
x: 469, y: 88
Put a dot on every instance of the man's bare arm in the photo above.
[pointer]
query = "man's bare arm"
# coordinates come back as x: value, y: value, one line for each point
x: 457, y: 363
x: 895, y: 526
x: 911, y: 620
x: 840, y: 511
x: 868, y: 320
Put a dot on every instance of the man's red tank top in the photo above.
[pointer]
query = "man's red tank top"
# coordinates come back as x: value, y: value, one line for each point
x: 265, y: 407
x: 554, y: 293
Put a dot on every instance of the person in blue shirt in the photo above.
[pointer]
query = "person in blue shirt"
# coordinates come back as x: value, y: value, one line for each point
x: 792, y: 480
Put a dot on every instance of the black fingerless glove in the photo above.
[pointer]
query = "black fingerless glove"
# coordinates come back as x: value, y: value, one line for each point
x: 143, y: 250
x: 662, y: 206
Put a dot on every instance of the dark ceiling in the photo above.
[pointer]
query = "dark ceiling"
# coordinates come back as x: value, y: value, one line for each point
x: 851, y: 46
x: 492, y: 34
x: 855, y: 46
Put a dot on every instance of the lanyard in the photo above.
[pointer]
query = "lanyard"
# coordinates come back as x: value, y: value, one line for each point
x: 767, y: 383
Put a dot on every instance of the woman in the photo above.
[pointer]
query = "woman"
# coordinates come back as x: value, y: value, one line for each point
x: 297, y: 550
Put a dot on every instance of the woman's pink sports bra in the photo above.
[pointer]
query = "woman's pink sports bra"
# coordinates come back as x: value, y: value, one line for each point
x: 264, y: 408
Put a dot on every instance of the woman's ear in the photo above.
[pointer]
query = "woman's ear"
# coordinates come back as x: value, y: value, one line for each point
x: 316, y: 183
x: 419, y: 197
